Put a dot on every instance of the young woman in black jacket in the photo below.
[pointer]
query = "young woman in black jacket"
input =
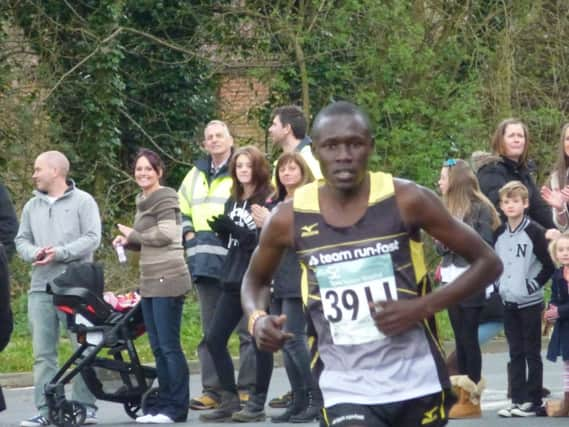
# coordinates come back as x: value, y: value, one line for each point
x: 236, y: 227
x: 463, y: 199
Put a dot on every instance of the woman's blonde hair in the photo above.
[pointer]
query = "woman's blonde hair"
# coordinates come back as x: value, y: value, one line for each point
x: 464, y: 190
x: 553, y: 247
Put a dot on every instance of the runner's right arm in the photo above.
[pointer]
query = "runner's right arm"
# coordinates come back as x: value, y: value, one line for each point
x: 276, y: 236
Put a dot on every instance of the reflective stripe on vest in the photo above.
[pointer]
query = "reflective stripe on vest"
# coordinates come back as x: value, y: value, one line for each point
x: 206, y: 201
x: 206, y: 249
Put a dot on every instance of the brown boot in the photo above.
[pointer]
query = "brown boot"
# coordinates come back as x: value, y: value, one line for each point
x: 563, y: 410
x: 468, y: 405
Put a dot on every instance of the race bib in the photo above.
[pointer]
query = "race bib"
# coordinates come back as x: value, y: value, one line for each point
x: 347, y: 288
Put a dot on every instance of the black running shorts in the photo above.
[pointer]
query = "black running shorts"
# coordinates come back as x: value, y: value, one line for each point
x: 428, y: 411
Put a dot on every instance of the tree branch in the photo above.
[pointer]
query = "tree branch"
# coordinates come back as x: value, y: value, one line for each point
x: 76, y: 66
x: 149, y: 137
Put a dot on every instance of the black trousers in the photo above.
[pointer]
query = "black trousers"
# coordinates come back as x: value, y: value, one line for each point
x: 2, y: 401
x: 228, y: 313
x: 523, y: 332
x: 464, y: 322
x: 6, y: 323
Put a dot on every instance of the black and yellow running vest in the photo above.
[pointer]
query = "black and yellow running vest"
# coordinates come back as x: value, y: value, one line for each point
x: 344, y: 270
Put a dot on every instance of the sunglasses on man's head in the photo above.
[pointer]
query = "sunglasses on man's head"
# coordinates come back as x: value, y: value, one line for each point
x: 449, y: 162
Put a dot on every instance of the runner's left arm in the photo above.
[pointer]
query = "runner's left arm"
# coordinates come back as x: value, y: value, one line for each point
x: 422, y: 209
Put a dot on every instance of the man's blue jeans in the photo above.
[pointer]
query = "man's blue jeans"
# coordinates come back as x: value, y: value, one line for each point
x: 163, y: 317
x: 44, y: 321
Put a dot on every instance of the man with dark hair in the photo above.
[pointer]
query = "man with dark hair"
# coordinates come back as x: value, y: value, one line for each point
x: 288, y: 130
x: 358, y: 237
x: 8, y: 230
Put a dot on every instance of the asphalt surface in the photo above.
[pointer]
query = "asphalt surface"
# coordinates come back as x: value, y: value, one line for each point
x: 20, y: 399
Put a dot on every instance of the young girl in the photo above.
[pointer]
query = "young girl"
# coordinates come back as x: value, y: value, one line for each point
x: 462, y: 197
x: 237, y: 228
x: 558, y: 313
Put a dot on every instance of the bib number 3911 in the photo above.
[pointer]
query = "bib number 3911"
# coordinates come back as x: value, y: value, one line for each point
x: 346, y: 291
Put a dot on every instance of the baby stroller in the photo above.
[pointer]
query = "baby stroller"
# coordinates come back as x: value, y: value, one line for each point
x: 106, y: 348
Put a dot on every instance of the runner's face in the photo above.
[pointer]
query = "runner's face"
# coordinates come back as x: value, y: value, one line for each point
x: 343, y: 146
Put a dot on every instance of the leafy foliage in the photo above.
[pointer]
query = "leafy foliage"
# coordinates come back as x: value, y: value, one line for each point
x: 122, y: 75
x: 100, y: 78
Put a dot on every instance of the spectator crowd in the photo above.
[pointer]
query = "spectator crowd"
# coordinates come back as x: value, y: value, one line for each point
x: 322, y: 258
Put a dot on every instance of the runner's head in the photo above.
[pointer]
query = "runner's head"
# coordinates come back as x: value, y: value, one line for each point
x: 342, y: 143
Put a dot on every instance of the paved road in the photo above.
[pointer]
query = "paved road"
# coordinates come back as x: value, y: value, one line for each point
x: 20, y: 401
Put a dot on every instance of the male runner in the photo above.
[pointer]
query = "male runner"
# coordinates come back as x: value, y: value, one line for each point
x: 357, y: 235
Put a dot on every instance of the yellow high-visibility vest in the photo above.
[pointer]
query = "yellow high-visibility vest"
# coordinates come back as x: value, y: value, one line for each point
x: 200, y: 200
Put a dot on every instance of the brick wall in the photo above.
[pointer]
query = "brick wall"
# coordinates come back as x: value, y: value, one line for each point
x: 239, y: 99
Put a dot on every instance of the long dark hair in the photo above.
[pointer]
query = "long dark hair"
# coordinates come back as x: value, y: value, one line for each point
x: 261, y: 177
x: 154, y: 160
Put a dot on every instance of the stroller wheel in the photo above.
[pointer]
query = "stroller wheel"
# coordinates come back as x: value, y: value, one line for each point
x: 132, y: 408
x: 69, y: 414
x: 149, y: 399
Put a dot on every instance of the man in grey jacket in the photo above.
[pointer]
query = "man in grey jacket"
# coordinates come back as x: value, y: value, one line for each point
x: 59, y: 225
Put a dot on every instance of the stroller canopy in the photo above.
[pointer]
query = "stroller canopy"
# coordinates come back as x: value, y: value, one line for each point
x: 87, y: 275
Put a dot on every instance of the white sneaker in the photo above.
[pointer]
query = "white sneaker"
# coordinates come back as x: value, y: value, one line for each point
x: 90, y: 417
x: 155, y: 419
x: 507, y: 412
x: 529, y: 409
x: 37, y: 421
x: 161, y: 419
x: 142, y: 419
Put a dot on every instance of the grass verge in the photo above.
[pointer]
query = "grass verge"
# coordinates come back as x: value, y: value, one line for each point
x: 17, y: 357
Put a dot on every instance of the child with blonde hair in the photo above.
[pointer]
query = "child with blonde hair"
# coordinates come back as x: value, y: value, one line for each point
x: 558, y: 314
x: 522, y: 246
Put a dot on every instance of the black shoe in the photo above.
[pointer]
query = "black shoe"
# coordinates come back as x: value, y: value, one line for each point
x: 253, y: 411
x: 229, y: 405
x: 297, y: 405
x: 313, y: 409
